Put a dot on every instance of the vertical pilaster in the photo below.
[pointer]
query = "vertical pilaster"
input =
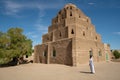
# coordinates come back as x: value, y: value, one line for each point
x: 74, y: 55
x: 36, y: 55
x: 48, y: 55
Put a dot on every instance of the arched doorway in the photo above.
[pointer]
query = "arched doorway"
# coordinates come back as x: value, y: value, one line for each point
x: 107, y: 57
x: 90, y: 52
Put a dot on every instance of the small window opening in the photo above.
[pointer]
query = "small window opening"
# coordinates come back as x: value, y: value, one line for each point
x: 72, y: 32
x: 70, y: 7
x: 51, y: 37
x: 96, y: 37
x: 26, y: 56
x: 87, y: 20
x: 70, y: 13
x: 44, y: 53
x: 54, y: 52
x: 62, y: 16
x: 91, y: 52
x: 59, y: 12
x: 67, y: 7
x: 100, y: 54
x: 60, y: 34
x: 83, y: 33
x: 47, y: 38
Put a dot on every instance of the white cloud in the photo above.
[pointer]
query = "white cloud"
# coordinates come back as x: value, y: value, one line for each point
x: 41, y: 28
x: 31, y: 35
x: 118, y: 33
x: 12, y: 8
x: 39, y: 25
x: 34, y: 36
x: 91, y: 3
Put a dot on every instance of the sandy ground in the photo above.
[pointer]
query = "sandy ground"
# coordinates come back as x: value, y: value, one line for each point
x: 104, y: 71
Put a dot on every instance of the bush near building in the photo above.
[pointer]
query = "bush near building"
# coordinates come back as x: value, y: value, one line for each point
x: 116, y: 54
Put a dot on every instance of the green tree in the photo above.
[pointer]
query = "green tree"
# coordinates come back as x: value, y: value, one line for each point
x: 14, y: 44
x: 4, y: 51
x: 1, y: 33
x: 116, y: 54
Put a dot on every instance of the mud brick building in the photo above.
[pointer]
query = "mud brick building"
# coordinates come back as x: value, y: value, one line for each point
x: 70, y: 40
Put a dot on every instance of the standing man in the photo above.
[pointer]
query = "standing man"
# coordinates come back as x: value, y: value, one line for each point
x: 91, y: 64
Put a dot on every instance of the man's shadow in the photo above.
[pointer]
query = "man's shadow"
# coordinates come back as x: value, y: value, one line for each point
x: 85, y: 72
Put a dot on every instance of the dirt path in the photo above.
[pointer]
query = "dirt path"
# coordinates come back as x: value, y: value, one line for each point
x: 104, y: 71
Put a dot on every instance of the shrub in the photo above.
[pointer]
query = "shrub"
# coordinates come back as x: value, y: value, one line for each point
x: 116, y: 54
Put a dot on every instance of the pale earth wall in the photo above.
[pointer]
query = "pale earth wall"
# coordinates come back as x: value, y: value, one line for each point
x: 70, y: 40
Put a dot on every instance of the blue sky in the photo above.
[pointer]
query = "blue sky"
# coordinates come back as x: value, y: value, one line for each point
x: 34, y: 17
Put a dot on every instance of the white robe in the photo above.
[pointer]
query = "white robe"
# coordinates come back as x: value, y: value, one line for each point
x: 91, y: 65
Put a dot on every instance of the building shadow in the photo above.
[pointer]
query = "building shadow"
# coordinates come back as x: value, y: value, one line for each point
x: 14, y: 62
x: 85, y: 72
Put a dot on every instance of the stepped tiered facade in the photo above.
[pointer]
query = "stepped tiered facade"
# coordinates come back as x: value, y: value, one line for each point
x: 70, y: 40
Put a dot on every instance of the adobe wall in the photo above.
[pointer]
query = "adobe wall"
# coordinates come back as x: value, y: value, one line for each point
x: 88, y: 33
x: 82, y: 50
x: 81, y: 31
x: 108, y: 52
x: 63, y: 49
x: 63, y: 52
x: 57, y: 34
x: 73, y: 37
x: 39, y: 51
x: 36, y: 55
